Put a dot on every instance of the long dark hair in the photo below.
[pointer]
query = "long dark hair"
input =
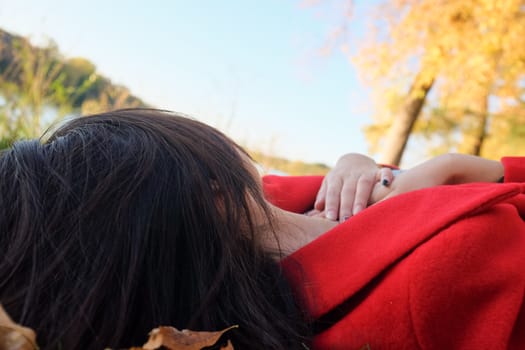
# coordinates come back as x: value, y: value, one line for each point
x: 127, y: 220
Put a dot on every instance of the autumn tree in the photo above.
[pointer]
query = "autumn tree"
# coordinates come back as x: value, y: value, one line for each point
x: 468, y: 49
x: 442, y: 69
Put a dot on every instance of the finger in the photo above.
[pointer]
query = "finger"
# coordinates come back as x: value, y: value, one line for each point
x: 321, y: 196
x: 333, y: 194
x: 347, y: 200
x: 312, y: 212
x: 363, y: 190
x: 386, y: 176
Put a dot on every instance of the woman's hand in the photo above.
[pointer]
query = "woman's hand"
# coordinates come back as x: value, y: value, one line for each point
x: 448, y: 169
x: 346, y: 189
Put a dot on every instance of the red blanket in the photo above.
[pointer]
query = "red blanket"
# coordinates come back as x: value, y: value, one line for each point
x: 439, y: 268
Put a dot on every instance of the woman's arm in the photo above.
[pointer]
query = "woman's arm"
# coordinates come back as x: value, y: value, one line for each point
x: 446, y: 169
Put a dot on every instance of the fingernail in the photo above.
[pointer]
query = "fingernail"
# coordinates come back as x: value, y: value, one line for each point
x: 346, y: 217
x: 330, y: 215
x: 357, y: 209
x: 385, y: 182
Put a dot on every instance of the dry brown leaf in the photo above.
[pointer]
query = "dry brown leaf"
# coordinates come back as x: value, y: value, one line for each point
x: 14, y: 336
x: 173, y: 339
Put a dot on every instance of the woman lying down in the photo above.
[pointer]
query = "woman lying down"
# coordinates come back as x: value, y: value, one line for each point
x: 120, y: 222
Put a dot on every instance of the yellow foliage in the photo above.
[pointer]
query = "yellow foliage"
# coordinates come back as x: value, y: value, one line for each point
x: 473, y: 51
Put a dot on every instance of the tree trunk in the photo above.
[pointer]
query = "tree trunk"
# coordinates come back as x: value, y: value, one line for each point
x: 476, y: 135
x: 402, y: 125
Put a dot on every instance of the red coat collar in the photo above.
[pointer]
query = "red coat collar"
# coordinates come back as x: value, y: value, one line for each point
x: 338, y: 264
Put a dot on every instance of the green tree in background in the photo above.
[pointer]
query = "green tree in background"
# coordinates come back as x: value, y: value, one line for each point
x: 29, y: 83
x: 38, y: 87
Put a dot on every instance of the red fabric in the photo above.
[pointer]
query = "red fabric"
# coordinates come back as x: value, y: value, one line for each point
x: 514, y: 169
x: 439, y: 268
x: 292, y: 193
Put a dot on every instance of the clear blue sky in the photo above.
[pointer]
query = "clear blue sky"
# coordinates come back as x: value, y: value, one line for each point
x: 249, y: 67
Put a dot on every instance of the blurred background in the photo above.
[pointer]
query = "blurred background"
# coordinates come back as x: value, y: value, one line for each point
x: 298, y: 83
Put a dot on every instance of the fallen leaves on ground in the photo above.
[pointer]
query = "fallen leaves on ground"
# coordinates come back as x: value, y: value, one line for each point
x: 173, y: 339
x: 14, y: 336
